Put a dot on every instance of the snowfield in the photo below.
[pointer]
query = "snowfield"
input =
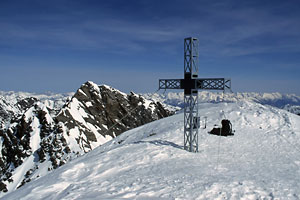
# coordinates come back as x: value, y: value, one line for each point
x: 261, y: 161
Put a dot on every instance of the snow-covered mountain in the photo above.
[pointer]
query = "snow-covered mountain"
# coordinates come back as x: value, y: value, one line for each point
x: 14, y: 104
x: 43, y: 137
x: 289, y: 102
x: 261, y: 161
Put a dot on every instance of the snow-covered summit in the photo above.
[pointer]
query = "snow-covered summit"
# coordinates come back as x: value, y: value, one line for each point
x: 261, y: 161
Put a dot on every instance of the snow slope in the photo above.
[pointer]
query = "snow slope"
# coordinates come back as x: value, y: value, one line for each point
x: 261, y: 161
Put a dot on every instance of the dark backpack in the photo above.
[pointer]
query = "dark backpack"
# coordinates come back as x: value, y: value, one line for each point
x: 226, y: 127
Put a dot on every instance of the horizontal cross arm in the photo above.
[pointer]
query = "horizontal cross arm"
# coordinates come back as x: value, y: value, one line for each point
x: 213, y: 84
x: 200, y: 84
x: 170, y: 83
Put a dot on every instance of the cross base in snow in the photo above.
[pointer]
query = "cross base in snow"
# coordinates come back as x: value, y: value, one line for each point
x: 191, y: 84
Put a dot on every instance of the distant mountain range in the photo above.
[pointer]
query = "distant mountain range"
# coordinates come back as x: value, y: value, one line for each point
x: 289, y: 102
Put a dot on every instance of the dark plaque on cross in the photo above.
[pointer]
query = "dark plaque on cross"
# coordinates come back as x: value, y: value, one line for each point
x: 191, y: 84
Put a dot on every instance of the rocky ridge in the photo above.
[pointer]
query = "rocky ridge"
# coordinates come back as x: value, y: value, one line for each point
x: 42, y: 139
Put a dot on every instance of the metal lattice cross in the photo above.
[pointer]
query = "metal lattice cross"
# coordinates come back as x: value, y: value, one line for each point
x: 191, y: 84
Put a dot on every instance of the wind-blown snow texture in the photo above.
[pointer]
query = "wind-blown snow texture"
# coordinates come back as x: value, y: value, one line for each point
x: 261, y: 161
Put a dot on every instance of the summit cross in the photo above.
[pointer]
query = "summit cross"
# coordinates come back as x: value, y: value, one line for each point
x: 191, y: 84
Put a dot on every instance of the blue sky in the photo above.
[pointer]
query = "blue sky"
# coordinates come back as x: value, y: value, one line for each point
x: 129, y: 44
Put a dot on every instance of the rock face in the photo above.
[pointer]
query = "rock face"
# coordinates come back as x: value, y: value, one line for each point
x: 41, y: 140
x: 97, y: 114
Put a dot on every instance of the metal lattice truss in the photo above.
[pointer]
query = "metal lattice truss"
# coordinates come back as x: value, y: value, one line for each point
x: 190, y: 94
x: 170, y: 84
x: 201, y: 84
x: 191, y: 56
x: 191, y: 124
x: 213, y: 84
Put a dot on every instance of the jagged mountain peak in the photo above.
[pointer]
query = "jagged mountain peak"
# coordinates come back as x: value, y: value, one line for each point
x: 42, y: 139
x: 97, y: 109
x: 96, y: 89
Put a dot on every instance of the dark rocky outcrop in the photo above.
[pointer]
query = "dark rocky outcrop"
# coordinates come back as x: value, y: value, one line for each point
x: 107, y: 113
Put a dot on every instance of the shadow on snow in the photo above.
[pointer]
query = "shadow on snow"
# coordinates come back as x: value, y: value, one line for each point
x: 161, y: 143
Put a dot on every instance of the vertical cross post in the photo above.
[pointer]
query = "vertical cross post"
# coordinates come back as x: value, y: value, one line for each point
x: 190, y: 95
